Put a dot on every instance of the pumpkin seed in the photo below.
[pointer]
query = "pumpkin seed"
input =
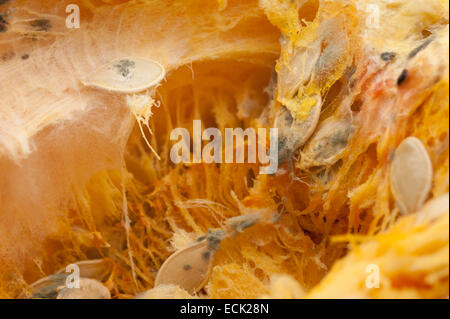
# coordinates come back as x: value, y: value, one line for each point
x: 89, y: 289
x: 293, y: 133
x: 328, y: 142
x: 188, y: 268
x: 128, y: 75
x: 47, y: 288
x: 411, y: 175
x: 95, y: 269
x: 131, y: 75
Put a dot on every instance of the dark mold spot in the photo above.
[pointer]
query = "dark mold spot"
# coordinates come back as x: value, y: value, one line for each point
x: 214, y: 239
x: 3, y: 2
x: 187, y: 267
x: 206, y: 255
x: 245, y: 224
x: 414, y: 52
x: 201, y: 238
x: 214, y: 242
x: 41, y: 24
x: 240, y: 223
x: 340, y: 139
x: 3, y: 24
x: 288, y: 118
x: 124, y: 67
x: 285, y: 149
x: 50, y: 291
x: 402, y: 77
x: 25, y: 56
x: 388, y: 56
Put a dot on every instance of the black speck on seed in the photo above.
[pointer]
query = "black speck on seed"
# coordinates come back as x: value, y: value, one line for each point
x: 25, y: 56
x: 402, y: 77
x: 124, y: 67
x: 214, y: 239
x: 187, y: 267
x: 414, y: 52
x: 41, y: 24
x: 387, y: 56
x: 282, y: 143
x: 245, y: 224
x: 214, y: 242
x: 340, y: 139
x: 201, y: 238
x: 288, y: 118
x: 206, y: 255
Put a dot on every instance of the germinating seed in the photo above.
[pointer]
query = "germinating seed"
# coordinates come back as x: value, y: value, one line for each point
x: 411, y: 175
x: 128, y: 75
x: 88, y: 289
x: 188, y: 268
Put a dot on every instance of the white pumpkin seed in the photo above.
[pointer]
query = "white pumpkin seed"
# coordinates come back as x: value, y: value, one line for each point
x: 411, y: 175
x: 89, y: 289
x: 127, y: 75
x: 188, y: 268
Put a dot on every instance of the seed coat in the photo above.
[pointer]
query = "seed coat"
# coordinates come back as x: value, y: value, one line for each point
x: 128, y: 75
x: 193, y: 278
x: 411, y: 175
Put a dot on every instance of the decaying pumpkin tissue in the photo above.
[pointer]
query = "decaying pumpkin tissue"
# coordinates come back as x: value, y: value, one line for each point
x: 224, y: 149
